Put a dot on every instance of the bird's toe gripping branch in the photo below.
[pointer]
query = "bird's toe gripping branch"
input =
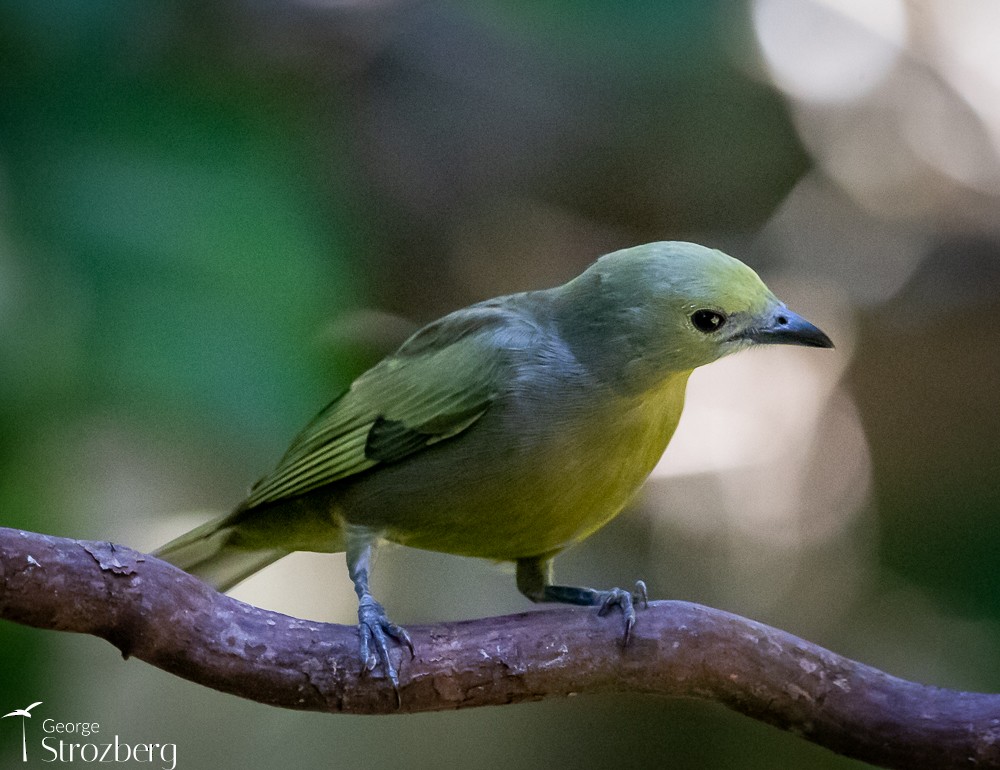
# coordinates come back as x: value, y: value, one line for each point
x: 534, y: 580
x: 627, y: 600
x: 374, y: 631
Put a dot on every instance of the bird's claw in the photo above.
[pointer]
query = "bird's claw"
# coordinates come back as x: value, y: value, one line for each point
x: 374, y: 631
x: 619, y: 597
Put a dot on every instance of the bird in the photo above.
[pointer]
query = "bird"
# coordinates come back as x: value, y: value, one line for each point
x: 508, y: 430
x: 25, y: 712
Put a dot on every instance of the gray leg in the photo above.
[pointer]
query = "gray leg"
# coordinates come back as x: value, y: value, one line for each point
x: 374, y: 627
x: 534, y: 580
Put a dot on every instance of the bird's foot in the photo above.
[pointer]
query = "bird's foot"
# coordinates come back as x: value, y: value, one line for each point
x: 374, y: 631
x: 619, y: 597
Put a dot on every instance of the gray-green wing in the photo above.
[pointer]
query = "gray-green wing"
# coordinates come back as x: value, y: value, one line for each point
x: 439, y: 383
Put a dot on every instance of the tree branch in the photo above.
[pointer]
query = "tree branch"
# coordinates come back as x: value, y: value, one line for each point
x: 151, y: 610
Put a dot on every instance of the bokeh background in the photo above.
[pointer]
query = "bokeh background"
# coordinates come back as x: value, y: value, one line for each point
x: 213, y: 214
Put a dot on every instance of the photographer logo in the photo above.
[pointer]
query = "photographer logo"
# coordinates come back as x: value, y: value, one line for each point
x: 82, y: 743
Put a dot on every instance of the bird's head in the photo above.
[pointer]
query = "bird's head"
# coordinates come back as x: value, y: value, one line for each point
x: 674, y: 306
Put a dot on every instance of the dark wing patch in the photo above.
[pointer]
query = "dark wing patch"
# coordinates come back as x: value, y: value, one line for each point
x: 390, y: 441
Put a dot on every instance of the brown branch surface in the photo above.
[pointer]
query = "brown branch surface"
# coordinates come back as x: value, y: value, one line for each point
x: 151, y: 610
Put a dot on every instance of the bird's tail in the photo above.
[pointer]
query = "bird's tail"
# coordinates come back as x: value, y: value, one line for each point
x: 211, y: 553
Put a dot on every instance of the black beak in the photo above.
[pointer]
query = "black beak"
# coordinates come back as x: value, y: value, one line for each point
x: 787, y: 328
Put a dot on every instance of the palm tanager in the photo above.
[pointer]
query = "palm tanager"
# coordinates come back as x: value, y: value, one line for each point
x: 508, y: 430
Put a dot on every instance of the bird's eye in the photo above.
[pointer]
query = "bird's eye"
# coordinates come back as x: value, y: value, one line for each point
x: 708, y: 321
